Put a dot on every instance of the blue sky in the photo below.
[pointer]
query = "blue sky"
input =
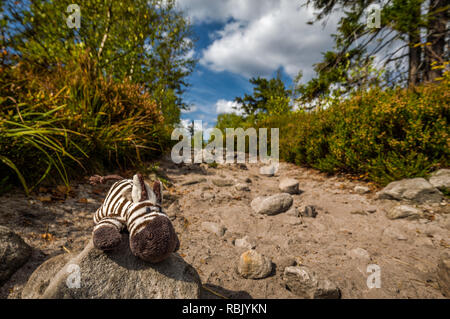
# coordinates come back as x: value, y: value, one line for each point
x: 239, y: 39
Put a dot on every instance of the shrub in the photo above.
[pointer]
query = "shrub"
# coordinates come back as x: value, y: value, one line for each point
x: 70, y: 120
x: 382, y: 135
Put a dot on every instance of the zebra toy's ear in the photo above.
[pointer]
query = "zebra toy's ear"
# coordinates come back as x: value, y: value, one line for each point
x: 158, y: 191
x: 141, y: 191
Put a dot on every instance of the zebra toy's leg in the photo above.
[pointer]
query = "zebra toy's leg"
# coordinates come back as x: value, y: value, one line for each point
x: 108, y: 218
x: 152, y: 236
x: 107, y: 236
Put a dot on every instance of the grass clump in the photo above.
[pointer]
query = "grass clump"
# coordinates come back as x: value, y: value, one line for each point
x: 69, y: 120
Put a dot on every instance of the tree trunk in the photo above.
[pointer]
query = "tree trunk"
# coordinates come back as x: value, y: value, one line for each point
x: 415, y: 56
x: 414, y: 60
x: 437, y: 28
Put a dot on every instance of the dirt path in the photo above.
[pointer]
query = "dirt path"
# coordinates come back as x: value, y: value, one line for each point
x: 406, y: 251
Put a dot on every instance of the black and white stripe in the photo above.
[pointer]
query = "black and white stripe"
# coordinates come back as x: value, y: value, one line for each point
x: 119, y: 210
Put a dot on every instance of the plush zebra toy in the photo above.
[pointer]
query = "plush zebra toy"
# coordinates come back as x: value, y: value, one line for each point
x: 133, y: 205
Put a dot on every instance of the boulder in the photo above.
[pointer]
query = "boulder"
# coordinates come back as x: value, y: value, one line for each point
x: 272, y: 205
x: 40, y: 278
x: 303, y: 282
x: 441, y: 179
x: 14, y: 253
x: 253, y: 265
x: 444, y: 273
x: 94, y: 274
x: 289, y: 185
x: 414, y: 189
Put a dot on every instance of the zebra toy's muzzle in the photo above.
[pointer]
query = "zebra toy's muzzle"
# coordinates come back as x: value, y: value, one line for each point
x: 156, y: 241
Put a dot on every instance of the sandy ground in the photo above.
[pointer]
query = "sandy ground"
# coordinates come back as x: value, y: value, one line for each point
x: 406, y: 251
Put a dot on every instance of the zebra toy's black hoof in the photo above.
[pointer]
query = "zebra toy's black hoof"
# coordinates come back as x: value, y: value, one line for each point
x: 106, y: 238
x: 156, y: 241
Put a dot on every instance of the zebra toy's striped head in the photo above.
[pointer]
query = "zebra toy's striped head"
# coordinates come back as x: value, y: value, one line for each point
x: 153, y: 237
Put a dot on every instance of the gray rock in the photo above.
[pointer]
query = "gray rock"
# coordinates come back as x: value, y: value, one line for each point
x: 244, y: 243
x: 444, y: 273
x: 242, y: 187
x: 223, y: 182
x: 253, y: 265
x: 272, y: 205
x: 214, y: 228
x: 305, y: 283
x: 14, y: 253
x: 403, y: 211
x: 194, y: 181
x: 414, y: 189
x: 289, y: 185
x: 40, y: 278
x: 114, y: 275
x: 441, y: 179
x: 362, y: 189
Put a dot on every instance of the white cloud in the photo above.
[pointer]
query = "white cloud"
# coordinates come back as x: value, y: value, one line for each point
x: 224, y: 106
x: 222, y: 10
x: 262, y: 36
x: 191, y: 109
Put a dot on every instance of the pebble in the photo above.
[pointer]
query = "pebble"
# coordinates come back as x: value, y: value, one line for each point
x: 253, y: 265
x: 303, y: 282
x: 272, y: 205
x: 289, y: 185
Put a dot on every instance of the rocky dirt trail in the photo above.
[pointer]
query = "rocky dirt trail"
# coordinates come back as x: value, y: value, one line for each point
x: 334, y: 228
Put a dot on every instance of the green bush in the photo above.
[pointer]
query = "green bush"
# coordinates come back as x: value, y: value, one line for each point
x: 70, y: 120
x: 382, y: 135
